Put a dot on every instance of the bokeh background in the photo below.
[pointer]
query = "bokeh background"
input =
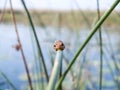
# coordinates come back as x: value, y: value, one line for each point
x: 67, y: 20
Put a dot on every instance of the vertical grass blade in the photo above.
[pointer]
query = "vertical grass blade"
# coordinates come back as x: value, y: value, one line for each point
x: 111, y: 71
x: 38, y: 45
x: 101, y: 51
x: 7, y: 80
x: 38, y: 67
x: 21, y: 49
x: 93, y: 30
x: 71, y: 71
x: 110, y: 49
x: 81, y: 67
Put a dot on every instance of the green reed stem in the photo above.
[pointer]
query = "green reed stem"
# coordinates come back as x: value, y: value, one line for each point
x: 71, y: 71
x: 111, y: 71
x: 56, y: 71
x: 101, y: 51
x: 38, y: 65
x: 40, y: 21
x: 21, y: 49
x: 38, y: 45
x: 93, y: 30
x: 7, y: 80
x: 81, y: 67
x: 111, y: 50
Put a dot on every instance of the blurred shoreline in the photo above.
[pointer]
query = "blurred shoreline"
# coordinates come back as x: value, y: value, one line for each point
x: 75, y: 19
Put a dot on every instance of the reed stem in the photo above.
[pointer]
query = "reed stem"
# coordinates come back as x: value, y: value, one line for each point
x: 56, y: 71
x: 58, y: 46
x: 101, y: 51
x: 7, y: 80
x: 21, y: 49
x: 35, y: 34
x: 93, y: 30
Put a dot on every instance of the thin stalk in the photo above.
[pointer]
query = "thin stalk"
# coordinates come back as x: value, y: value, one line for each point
x: 7, y: 80
x: 111, y: 50
x: 113, y: 57
x: 101, y: 51
x: 21, y: 49
x: 93, y: 30
x: 111, y: 71
x: 81, y: 67
x: 38, y: 17
x: 118, y: 13
x: 36, y: 38
x: 71, y: 71
x: 37, y: 63
x: 83, y: 15
x: 51, y: 59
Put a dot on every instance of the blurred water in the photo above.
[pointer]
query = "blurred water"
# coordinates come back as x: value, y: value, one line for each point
x: 11, y: 63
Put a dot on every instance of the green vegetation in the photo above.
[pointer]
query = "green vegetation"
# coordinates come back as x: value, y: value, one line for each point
x: 70, y: 19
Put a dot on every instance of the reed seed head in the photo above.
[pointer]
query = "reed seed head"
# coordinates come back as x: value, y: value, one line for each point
x: 58, y: 45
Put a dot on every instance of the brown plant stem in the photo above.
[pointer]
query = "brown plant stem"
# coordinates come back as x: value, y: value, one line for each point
x: 21, y: 49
